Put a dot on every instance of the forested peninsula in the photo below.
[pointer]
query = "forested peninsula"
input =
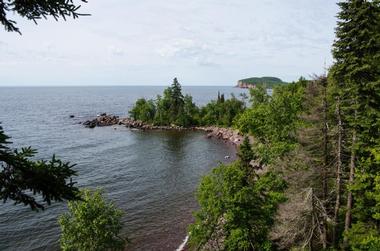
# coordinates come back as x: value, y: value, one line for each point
x: 173, y: 108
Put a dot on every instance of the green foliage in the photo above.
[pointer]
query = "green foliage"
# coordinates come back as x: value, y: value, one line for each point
x: 245, y: 152
x: 174, y: 108
x: 268, y: 82
x: 367, y: 189
x: 91, y: 224
x: 171, y: 108
x: 190, y: 114
x: 144, y: 110
x: 163, y: 105
x: 176, y: 101
x: 221, y: 112
x: 285, y: 108
x: 35, y: 10
x: 364, y: 237
x: 20, y: 175
x: 259, y: 95
x: 375, y: 196
x: 356, y: 81
x: 273, y: 120
x: 243, y: 210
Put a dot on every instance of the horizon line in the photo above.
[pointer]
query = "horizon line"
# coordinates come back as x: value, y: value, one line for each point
x: 116, y: 85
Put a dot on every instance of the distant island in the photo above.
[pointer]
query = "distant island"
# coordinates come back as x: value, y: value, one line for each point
x: 253, y: 82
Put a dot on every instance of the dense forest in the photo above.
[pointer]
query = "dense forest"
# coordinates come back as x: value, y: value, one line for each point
x: 310, y: 180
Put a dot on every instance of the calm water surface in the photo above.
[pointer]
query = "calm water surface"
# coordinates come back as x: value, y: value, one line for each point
x: 151, y: 176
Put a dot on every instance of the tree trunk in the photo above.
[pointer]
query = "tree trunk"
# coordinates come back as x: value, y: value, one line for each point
x: 338, y: 172
x: 324, y: 167
x: 314, y: 218
x: 347, y: 222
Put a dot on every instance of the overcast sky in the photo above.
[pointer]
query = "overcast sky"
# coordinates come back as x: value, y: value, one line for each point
x: 148, y: 42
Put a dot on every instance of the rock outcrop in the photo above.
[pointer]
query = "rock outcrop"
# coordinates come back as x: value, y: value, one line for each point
x: 102, y: 120
x: 138, y: 124
x: 244, y: 85
x: 227, y: 134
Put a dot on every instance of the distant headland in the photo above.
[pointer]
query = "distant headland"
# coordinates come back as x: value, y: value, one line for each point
x: 253, y: 82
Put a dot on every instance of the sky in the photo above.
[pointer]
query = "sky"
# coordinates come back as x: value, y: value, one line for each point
x: 149, y: 42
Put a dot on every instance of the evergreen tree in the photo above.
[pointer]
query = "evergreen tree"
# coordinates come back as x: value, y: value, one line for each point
x: 246, y: 153
x: 35, y: 10
x: 177, y: 102
x: 22, y: 178
x: 175, y: 108
x: 356, y: 73
x: 222, y: 99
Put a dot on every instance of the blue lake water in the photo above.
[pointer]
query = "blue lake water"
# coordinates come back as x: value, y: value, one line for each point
x: 151, y: 176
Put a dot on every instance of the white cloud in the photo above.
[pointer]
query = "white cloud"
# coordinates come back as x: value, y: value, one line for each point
x: 187, y: 49
x: 242, y: 38
x: 115, y: 51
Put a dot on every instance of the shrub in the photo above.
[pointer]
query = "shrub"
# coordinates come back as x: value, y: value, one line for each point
x: 91, y: 224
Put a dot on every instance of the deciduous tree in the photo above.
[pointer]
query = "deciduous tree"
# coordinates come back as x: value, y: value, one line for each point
x: 91, y: 224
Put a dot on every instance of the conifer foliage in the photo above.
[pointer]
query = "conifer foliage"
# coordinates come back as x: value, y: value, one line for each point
x: 356, y: 79
x: 36, y: 9
x: 246, y: 153
x: 173, y: 108
x: 338, y: 137
x: 19, y: 175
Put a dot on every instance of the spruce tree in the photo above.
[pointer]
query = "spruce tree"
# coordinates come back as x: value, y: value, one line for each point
x: 177, y: 100
x: 222, y: 99
x: 36, y: 10
x: 356, y: 73
x: 356, y: 51
x: 24, y: 180
x: 246, y: 153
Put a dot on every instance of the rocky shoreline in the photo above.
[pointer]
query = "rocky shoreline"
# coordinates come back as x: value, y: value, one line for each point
x: 226, y: 134
x: 102, y: 120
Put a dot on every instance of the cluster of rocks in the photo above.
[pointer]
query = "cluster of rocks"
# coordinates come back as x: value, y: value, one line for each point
x: 216, y: 240
x: 226, y: 134
x: 138, y: 124
x: 102, y: 120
